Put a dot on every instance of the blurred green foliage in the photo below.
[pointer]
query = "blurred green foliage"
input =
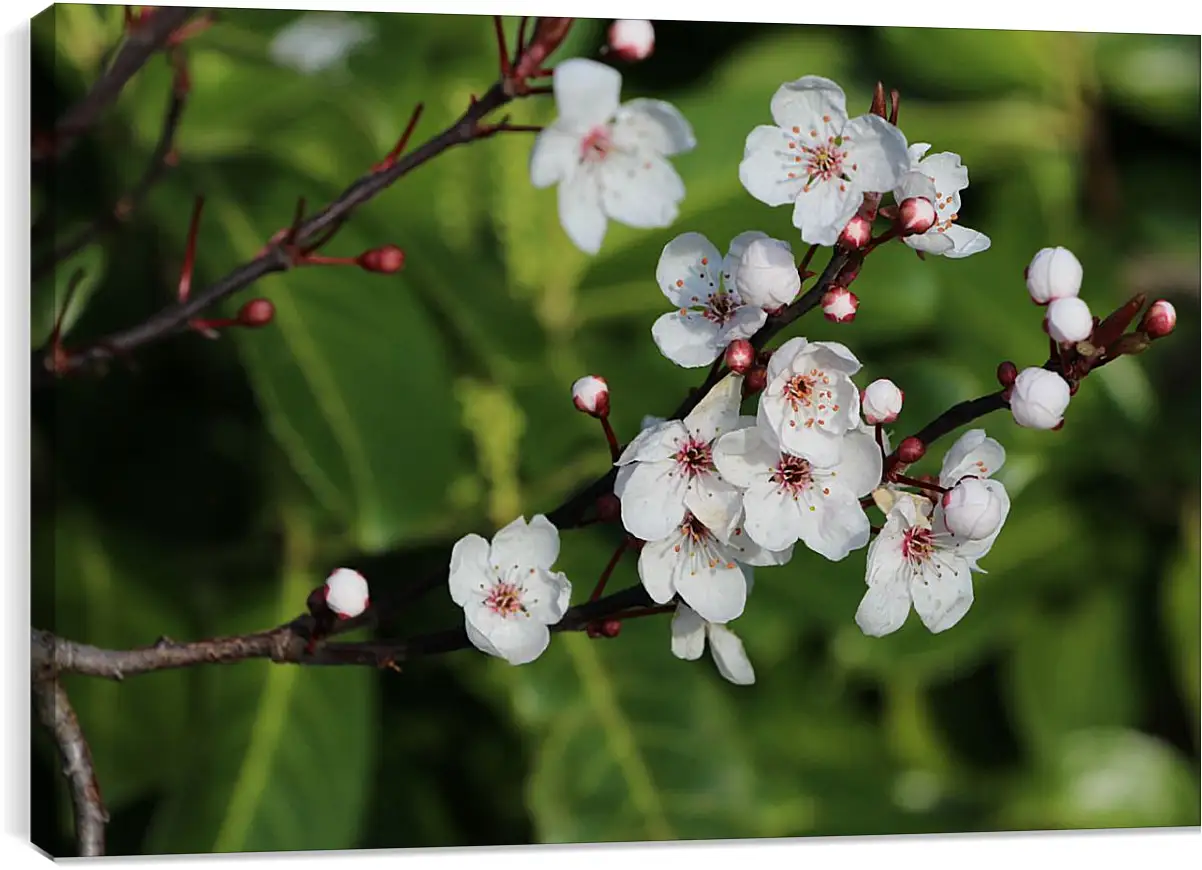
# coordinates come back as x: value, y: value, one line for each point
x: 208, y: 488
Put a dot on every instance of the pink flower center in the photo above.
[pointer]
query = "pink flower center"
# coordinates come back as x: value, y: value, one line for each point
x: 809, y: 395
x: 917, y: 545
x: 505, y: 599
x: 792, y: 474
x: 721, y: 308
x: 596, y: 146
x: 700, y: 544
x: 695, y: 458
x: 824, y: 162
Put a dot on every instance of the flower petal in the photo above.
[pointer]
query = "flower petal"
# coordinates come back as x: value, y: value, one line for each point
x: 774, y: 520
x: 822, y: 211
x: 654, y: 443
x: 518, y: 638
x: 653, y: 500
x: 930, y: 242
x: 730, y: 656
x: 525, y: 546
x: 688, y: 633
x: 652, y: 125
x: 640, y: 191
x: 810, y: 103
x: 949, y: 174
x: 884, y: 608
x: 687, y: 339
x: 469, y: 568
x: 943, y: 596
x: 966, y: 242
x: 717, y: 591
x: 554, y: 157
x: 974, y: 454
x: 743, y: 457
x: 714, y: 501
x: 860, y: 465
x: 718, y: 412
x: 835, y: 355
x: 735, y: 253
x: 842, y: 527
x: 479, y: 641
x: 581, y: 213
x: 688, y: 270
x: 763, y: 170
x: 547, y: 595
x: 879, y: 152
x: 659, y: 562
x: 586, y: 92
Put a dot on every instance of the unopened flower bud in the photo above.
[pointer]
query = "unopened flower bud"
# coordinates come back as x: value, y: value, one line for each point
x: 972, y: 510
x: 1069, y: 319
x: 917, y: 215
x: 1006, y: 373
x: 548, y: 34
x: 740, y: 355
x: 755, y: 380
x: 1039, y: 398
x: 590, y: 394
x: 611, y: 628
x: 856, y: 234
x: 387, y: 259
x: 911, y: 450
x: 839, y: 305
x: 346, y: 593
x: 632, y: 39
x: 1054, y: 273
x: 767, y: 275
x: 881, y: 402
x: 609, y: 508
x: 1160, y: 319
x: 256, y: 312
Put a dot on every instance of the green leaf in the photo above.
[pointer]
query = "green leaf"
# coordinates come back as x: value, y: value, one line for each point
x: 1074, y: 672
x: 1180, y: 608
x: 50, y: 297
x: 98, y: 590
x: 1108, y: 779
x: 280, y: 755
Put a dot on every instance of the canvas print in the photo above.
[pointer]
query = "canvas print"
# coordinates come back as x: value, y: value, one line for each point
x: 469, y: 430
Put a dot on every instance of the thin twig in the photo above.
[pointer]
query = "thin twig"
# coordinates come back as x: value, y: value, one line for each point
x: 55, y: 712
x: 143, y: 42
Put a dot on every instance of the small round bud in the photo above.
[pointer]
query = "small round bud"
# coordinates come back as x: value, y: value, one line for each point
x: 346, y: 593
x: 1054, y: 273
x: 740, y: 355
x: 609, y: 508
x: 1069, y: 319
x: 590, y: 394
x: 767, y: 275
x: 593, y: 630
x: 917, y: 215
x: 387, y: 259
x: 1039, y: 398
x: 856, y: 234
x: 881, y: 402
x: 1006, y: 373
x: 911, y: 450
x: 839, y: 305
x: 632, y: 39
x: 972, y: 510
x: 256, y: 312
x: 755, y: 380
x: 611, y: 628
x: 1160, y: 320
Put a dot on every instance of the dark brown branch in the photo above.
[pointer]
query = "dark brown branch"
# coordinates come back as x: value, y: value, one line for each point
x: 120, y: 212
x: 174, y: 319
x: 55, y: 712
x: 135, y: 52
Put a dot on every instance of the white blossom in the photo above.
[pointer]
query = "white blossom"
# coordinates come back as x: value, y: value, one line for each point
x: 1039, y: 398
x: 346, y: 593
x: 590, y: 394
x: 318, y: 42
x: 1054, y: 273
x: 810, y: 402
x: 972, y: 510
x: 819, y: 161
x: 946, y: 178
x: 689, y: 635
x: 710, y: 312
x: 1069, y: 319
x: 788, y: 499
x: 976, y: 455
x: 766, y: 272
x: 609, y: 159
x: 632, y: 38
x: 507, y: 590
x: 668, y: 469
x: 881, y: 401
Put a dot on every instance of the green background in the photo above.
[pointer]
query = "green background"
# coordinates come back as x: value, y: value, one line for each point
x: 206, y: 489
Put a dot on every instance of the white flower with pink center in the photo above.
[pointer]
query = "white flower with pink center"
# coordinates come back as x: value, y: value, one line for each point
x: 819, y: 161
x: 710, y: 312
x: 788, y: 499
x: 609, y: 160
x: 810, y: 402
x: 668, y: 469
x: 704, y: 565
x: 508, y: 592
x: 940, y: 178
x: 689, y: 635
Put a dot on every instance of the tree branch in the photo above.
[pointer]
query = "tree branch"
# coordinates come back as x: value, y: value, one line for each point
x: 135, y: 52
x: 55, y: 712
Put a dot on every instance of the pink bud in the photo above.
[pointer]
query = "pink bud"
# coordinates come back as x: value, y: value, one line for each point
x: 755, y: 380
x: 839, y: 305
x: 256, y: 312
x: 881, y: 402
x: 1160, y: 319
x: 632, y: 39
x: 590, y: 394
x: 387, y: 259
x: 609, y: 508
x: 1006, y: 373
x: 917, y: 215
x: 856, y: 234
x: 740, y: 355
x: 346, y: 593
x: 1069, y: 320
x: 611, y: 628
x: 911, y: 450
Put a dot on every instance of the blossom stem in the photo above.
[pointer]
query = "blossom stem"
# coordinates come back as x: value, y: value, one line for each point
x: 804, y: 265
x: 398, y: 149
x: 918, y: 484
x: 185, y: 272
x: 599, y: 589
x: 615, y: 449
x: 502, y: 48
x: 880, y: 438
x: 644, y: 611
x: 521, y: 46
